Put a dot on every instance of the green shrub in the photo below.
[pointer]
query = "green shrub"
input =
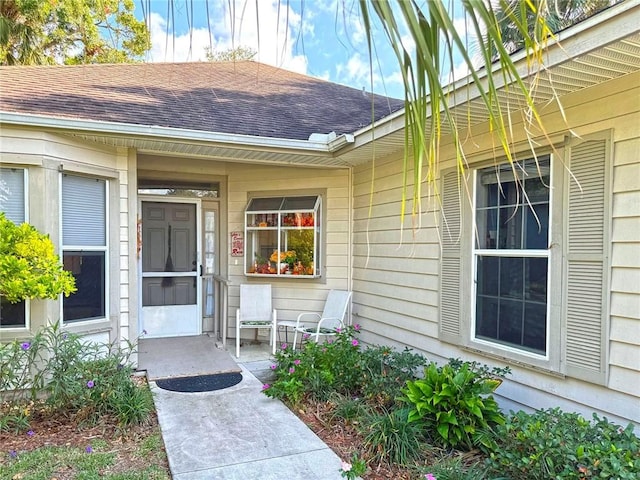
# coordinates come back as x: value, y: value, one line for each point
x: 454, y: 403
x: 390, y: 437
x: 552, y: 444
x: 339, y: 365
x: 386, y: 371
x: 317, y: 370
x: 29, y: 267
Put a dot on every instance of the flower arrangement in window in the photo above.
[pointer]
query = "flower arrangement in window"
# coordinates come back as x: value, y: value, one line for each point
x: 288, y: 257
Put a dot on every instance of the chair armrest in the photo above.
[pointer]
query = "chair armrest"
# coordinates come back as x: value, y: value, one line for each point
x: 315, y: 317
x: 330, y: 318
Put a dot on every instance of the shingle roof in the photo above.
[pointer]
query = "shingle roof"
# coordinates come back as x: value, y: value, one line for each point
x: 247, y: 98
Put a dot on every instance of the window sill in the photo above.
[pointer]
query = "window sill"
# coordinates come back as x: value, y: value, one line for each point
x: 513, y: 361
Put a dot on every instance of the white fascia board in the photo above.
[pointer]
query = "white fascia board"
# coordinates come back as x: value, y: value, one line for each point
x: 611, y: 25
x: 171, y: 134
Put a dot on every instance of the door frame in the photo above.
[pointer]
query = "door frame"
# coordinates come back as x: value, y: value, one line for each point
x: 199, y: 231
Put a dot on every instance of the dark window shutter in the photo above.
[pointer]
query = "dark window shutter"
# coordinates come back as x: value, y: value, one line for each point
x: 450, y: 265
x: 586, y: 283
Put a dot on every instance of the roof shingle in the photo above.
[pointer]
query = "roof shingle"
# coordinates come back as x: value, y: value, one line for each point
x: 246, y: 98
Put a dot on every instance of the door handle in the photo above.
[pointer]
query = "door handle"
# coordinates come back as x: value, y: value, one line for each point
x: 201, y: 270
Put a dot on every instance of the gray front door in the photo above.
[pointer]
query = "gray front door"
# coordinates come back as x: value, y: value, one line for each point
x: 170, y: 279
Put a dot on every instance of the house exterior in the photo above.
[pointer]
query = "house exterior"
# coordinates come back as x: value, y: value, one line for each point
x: 166, y: 186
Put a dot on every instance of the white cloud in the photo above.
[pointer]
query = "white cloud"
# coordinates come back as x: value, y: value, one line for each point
x: 265, y: 28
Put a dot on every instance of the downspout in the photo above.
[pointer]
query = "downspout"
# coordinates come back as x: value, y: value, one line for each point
x: 350, y: 243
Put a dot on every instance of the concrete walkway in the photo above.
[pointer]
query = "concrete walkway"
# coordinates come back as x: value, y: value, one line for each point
x: 240, y: 433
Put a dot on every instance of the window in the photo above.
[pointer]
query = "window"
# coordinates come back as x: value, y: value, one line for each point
x: 84, y: 244
x: 524, y: 265
x: 13, y: 204
x: 511, y: 257
x: 282, y: 236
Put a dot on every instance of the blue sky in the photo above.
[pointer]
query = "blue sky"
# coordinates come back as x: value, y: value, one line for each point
x: 321, y: 38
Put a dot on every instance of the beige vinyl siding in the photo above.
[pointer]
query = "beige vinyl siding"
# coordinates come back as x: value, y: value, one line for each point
x: 395, y: 272
x: 392, y: 273
x: 625, y: 269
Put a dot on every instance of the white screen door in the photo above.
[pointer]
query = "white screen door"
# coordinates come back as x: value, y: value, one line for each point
x: 171, y: 287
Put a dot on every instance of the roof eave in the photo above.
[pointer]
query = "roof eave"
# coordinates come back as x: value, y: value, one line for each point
x: 168, y: 134
x: 613, y: 24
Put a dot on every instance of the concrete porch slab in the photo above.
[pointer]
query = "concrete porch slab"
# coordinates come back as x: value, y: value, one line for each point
x: 183, y: 356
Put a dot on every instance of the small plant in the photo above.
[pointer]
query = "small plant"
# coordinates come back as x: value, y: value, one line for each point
x: 455, y: 469
x: 354, y: 469
x: 454, y: 403
x: 348, y: 409
x: 552, y: 444
x: 390, y: 437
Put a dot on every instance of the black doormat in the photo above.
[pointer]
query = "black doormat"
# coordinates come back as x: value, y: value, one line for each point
x: 200, y: 383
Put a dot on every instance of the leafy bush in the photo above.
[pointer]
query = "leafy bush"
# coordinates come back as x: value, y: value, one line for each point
x: 29, y: 267
x: 552, y: 444
x: 318, y: 370
x: 390, y: 437
x: 454, y: 403
x: 386, y: 371
x: 339, y: 365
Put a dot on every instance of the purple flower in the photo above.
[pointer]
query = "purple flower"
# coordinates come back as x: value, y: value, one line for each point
x: 31, y: 433
x: 265, y: 386
x: 88, y: 449
x: 64, y: 336
x: 354, y: 342
x: 273, y: 367
x: 25, y: 345
x: 356, y: 327
x: 429, y: 476
x: 13, y: 454
x: 305, y: 336
x: 338, y: 330
x: 291, y: 370
x: 283, y: 346
x: 90, y: 384
x: 296, y: 361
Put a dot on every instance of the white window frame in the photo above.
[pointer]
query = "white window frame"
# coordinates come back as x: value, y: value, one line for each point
x: 27, y: 302
x: 502, y: 253
x: 71, y: 248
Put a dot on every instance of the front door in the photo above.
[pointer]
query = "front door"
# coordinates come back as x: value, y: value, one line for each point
x: 171, y: 289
